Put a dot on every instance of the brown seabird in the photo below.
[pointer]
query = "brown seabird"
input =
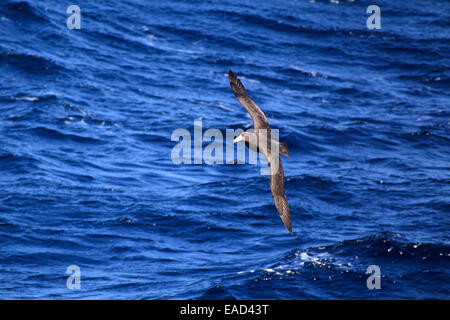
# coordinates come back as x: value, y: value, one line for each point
x: 260, y: 140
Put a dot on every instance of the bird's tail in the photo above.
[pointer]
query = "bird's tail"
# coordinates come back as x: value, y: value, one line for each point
x: 284, y: 149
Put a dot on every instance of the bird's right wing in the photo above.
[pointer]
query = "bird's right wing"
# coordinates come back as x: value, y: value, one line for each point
x: 258, y: 117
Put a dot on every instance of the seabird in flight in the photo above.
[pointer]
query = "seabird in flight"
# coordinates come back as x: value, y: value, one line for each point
x: 260, y: 140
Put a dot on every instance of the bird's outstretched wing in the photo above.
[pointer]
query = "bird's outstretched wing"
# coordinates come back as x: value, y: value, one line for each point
x: 258, y: 117
x: 277, y: 187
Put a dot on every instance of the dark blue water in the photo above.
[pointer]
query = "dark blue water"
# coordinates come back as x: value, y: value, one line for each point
x: 86, y: 176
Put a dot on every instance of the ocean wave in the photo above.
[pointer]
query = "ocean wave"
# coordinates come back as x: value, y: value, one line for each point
x: 29, y: 63
x: 22, y: 11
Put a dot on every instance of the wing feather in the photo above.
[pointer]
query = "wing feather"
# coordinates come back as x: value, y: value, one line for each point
x: 258, y: 117
x: 279, y: 197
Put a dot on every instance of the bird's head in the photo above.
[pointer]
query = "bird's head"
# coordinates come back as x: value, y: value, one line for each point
x: 244, y: 136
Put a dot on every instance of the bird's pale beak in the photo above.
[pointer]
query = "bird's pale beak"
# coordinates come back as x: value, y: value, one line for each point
x: 238, y: 139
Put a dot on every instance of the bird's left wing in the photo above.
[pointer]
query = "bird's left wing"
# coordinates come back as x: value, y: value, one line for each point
x: 277, y: 187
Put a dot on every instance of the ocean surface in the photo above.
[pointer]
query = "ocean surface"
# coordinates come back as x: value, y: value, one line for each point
x: 86, y: 176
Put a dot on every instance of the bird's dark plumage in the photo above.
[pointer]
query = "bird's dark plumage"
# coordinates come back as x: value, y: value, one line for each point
x: 258, y: 117
x: 279, y: 196
x: 260, y: 124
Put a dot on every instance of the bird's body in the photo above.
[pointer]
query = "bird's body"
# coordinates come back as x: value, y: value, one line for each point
x: 261, y: 140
